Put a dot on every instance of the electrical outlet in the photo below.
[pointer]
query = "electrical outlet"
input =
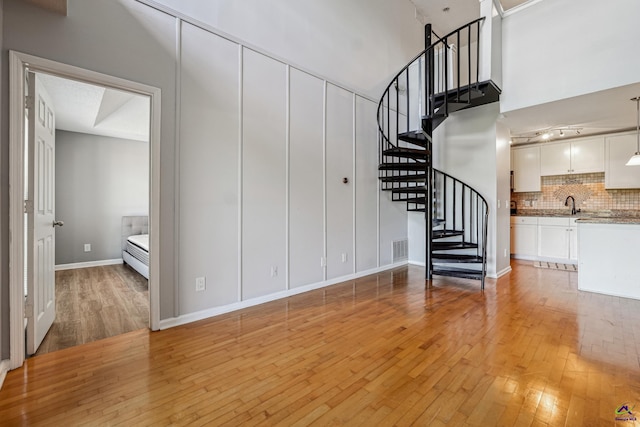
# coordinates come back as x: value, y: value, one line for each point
x: 201, y: 284
x: 323, y: 262
x: 274, y: 271
x: 344, y: 257
x: 87, y: 247
x: 505, y: 252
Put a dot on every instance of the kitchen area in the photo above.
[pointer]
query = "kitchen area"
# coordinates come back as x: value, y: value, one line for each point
x: 575, y: 204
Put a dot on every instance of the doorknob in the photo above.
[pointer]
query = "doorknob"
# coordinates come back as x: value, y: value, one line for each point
x: 58, y: 223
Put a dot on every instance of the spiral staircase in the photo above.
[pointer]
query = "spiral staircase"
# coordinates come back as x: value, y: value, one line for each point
x: 442, y: 79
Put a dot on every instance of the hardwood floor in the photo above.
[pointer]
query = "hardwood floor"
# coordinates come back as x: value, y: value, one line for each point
x: 96, y: 303
x: 383, y: 350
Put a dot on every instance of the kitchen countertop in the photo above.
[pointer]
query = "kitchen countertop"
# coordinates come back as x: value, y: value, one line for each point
x: 599, y: 217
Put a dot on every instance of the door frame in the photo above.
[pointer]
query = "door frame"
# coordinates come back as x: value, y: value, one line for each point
x: 18, y: 64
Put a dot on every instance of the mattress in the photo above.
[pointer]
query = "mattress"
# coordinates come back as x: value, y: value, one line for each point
x: 138, y: 247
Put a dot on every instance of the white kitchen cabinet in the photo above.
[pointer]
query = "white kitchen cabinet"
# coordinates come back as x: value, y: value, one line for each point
x: 557, y: 239
x: 573, y: 240
x: 578, y: 156
x: 618, y: 150
x: 526, y: 169
x: 524, y: 237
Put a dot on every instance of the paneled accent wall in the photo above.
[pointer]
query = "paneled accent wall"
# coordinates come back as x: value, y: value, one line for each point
x: 588, y: 189
x: 264, y: 150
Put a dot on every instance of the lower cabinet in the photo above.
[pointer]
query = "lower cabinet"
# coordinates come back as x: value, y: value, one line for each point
x: 544, y: 238
x: 524, y: 236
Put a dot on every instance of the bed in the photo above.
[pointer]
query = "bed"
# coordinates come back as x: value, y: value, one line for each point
x: 135, y: 243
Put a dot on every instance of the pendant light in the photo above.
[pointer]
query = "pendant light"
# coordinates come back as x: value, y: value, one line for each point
x: 635, y: 159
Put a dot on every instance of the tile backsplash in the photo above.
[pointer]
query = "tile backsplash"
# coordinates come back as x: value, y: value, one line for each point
x: 588, y: 190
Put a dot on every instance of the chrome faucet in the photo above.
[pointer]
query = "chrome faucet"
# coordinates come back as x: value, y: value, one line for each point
x: 573, y: 204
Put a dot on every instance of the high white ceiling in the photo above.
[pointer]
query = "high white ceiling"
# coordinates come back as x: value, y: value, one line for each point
x: 85, y: 108
x: 600, y: 112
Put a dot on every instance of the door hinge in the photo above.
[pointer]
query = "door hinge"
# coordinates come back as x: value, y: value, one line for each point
x: 28, y: 310
x: 29, y: 102
x: 28, y: 206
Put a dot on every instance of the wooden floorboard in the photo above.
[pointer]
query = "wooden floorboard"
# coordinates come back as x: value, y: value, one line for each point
x: 96, y: 303
x: 382, y: 350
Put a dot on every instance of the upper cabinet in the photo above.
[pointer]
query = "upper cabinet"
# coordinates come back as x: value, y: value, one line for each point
x: 526, y: 169
x: 618, y: 150
x: 578, y: 156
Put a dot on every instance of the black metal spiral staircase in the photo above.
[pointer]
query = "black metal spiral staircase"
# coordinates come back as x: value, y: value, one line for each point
x: 437, y: 82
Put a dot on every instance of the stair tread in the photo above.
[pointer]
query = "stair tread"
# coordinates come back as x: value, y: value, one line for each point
x: 406, y: 166
x: 445, y: 258
x: 418, y: 189
x: 416, y: 137
x: 465, y: 273
x: 419, y: 177
x: 412, y: 153
x: 446, y: 246
x: 416, y: 200
x: 441, y: 234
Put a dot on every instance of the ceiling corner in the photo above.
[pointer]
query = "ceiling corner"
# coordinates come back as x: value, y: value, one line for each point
x: 55, y: 6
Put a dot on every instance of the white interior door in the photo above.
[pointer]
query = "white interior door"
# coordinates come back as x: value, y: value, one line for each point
x: 41, y: 222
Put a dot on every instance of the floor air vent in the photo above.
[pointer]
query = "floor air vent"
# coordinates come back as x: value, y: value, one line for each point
x: 400, y: 250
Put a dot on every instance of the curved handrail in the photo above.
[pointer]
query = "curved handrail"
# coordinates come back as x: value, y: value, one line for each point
x: 485, y: 214
x: 410, y: 63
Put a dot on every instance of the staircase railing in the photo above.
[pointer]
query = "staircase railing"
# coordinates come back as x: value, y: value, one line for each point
x: 412, y: 94
x: 446, y: 74
x: 463, y: 209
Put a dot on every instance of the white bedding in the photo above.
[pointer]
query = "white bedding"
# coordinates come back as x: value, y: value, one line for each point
x: 140, y: 240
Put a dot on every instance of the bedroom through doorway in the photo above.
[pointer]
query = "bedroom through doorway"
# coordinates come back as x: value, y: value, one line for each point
x: 99, y: 165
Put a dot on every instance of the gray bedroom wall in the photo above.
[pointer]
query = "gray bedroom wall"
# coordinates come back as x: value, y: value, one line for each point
x: 98, y: 181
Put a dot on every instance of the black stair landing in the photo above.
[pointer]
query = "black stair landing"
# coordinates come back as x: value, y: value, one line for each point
x: 471, y: 96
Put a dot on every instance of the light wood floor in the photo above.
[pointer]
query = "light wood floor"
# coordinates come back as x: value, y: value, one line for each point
x: 382, y: 350
x: 96, y: 303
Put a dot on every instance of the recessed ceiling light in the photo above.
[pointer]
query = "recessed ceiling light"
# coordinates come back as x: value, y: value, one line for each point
x: 546, y: 135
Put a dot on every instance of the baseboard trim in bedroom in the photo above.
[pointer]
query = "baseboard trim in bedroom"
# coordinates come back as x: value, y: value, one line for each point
x: 216, y: 311
x: 88, y: 264
x: 4, y: 368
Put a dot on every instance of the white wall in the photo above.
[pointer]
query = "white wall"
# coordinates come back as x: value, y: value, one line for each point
x: 471, y: 147
x: 264, y: 148
x: 564, y: 48
x: 98, y: 181
x: 358, y: 43
x: 253, y: 150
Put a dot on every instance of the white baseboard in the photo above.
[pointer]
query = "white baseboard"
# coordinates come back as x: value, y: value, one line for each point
x: 88, y: 264
x: 491, y: 276
x: 210, y: 312
x: 501, y: 273
x: 4, y: 368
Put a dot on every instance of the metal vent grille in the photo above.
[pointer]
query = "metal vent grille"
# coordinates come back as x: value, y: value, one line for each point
x: 400, y: 251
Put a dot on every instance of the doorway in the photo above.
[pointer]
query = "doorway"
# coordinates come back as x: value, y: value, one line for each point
x: 20, y: 66
x: 100, y: 146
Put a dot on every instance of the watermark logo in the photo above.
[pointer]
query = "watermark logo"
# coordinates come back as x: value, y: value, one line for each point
x: 624, y: 413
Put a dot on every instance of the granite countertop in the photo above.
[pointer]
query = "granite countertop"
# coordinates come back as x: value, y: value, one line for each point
x: 598, y: 217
